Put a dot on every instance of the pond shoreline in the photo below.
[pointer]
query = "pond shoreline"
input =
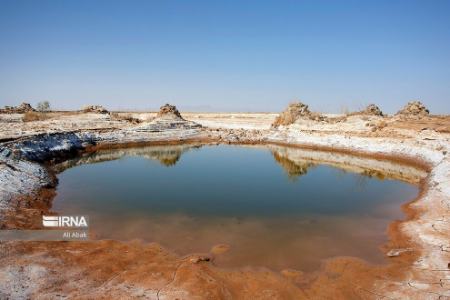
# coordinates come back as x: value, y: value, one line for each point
x: 410, y: 274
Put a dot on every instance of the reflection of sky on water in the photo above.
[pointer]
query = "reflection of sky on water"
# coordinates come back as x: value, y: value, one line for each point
x: 239, y: 196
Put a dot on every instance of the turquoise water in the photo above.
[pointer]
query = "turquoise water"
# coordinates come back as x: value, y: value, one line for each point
x: 271, y: 211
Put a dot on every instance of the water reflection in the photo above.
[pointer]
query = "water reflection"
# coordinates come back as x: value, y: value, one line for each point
x: 167, y: 158
x: 292, y: 168
x: 294, y: 161
x: 191, y: 198
x: 166, y: 155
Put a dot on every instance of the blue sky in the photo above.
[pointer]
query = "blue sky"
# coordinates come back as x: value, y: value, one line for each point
x: 226, y: 55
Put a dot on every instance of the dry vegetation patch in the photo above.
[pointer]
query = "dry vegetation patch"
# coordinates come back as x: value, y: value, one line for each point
x: 124, y: 117
x: 32, y: 116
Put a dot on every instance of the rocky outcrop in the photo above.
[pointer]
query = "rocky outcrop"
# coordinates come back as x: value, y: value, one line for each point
x: 20, y: 109
x: 294, y: 112
x: 95, y: 109
x: 45, y: 147
x: 414, y: 109
x: 21, y: 171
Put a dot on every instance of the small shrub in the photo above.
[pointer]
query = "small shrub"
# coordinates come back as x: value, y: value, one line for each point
x: 43, y: 106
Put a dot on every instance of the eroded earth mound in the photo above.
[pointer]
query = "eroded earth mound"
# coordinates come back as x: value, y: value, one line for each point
x: 372, y: 110
x: 294, y: 112
x: 414, y: 108
x: 168, y: 111
x: 168, y: 118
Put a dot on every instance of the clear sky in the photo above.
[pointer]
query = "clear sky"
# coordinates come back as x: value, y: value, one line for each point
x: 226, y: 55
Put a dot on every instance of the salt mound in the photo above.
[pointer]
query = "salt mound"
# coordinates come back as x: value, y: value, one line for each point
x: 414, y: 108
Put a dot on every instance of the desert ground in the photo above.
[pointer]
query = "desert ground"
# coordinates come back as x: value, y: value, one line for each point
x: 412, y: 145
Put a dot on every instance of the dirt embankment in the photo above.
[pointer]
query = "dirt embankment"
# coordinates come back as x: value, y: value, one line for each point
x: 419, y: 247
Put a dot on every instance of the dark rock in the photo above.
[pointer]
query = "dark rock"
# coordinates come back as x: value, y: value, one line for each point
x: 199, y: 258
